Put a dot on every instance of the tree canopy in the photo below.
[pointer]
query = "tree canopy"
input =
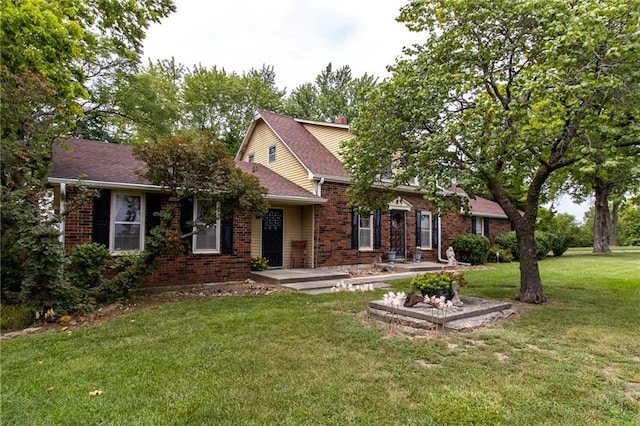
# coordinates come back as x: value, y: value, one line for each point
x: 501, y: 95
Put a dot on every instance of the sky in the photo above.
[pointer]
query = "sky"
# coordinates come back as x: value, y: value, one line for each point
x: 298, y: 38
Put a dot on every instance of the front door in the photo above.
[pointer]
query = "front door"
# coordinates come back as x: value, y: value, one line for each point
x: 272, y: 245
x: 398, y: 232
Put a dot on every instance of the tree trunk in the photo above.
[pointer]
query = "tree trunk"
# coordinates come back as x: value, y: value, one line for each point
x: 530, y: 283
x: 613, y: 225
x: 601, y: 217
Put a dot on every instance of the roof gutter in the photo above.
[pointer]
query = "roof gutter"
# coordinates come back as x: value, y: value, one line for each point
x: 103, y: 184
x: 298, y: 200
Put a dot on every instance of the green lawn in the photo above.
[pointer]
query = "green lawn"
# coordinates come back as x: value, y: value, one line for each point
x: 289, y: 358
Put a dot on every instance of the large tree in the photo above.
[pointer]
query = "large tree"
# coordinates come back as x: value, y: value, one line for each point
x: 500, y: 96
x: 335, y: 93
x: 50, y: 53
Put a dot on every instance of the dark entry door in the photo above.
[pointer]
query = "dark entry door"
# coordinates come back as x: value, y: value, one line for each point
x: 398, y: 232
x: 272, y: 245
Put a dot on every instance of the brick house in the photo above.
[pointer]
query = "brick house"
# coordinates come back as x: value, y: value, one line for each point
x: 123, y: 214
x: 299, y: 163
x: 308, y: 154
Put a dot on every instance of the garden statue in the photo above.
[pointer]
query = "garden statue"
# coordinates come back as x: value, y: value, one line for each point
x: 451, y: 256
x: 455, y: 288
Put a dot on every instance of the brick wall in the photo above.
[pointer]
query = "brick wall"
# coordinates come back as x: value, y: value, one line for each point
x: 185, y: 270
x: 333, y: 229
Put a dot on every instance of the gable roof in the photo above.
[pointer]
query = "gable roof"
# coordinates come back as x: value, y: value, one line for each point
x: 313, y: 156
x: 107, y: 165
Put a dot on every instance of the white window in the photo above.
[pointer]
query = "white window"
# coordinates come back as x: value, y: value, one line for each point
x: 365, y: 232
x: 252, y: 158
x: 478, y: 225
x: 425, y: 230
x: 207, y: 239
x: 126, y: 222
x: 272, y: 154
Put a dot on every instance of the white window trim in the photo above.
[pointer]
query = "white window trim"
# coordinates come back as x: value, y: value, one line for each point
x: 371, y: 226
x: 269, y: 154
x: 194, y: 236
x: 427, y: 246
x: 112, y: 222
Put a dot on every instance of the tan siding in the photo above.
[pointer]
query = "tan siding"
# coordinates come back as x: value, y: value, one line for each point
x: 330, y: 137
x: 256, y: 237
x: 286, y: 163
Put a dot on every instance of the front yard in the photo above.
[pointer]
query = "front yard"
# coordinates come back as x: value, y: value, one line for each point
x: 289, y: 358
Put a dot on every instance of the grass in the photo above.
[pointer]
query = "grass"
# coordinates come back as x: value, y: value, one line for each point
x: 288, y: 358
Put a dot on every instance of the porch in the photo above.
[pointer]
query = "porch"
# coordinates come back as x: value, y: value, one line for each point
x: 320, y: 280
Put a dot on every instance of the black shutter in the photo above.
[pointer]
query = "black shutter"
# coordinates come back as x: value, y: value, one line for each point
x: 227, y: 234
x: 186, y: 220
x: 434, y: 231
x: 486, y: 227
x: 377, y: 218
x: 354, y: 228
x: 473, y: 224
x: 101, y: 214
x: 153, y: 205
x: 418, y: 229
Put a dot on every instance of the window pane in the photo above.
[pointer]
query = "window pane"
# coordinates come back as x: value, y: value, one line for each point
x: 425, y: 230
x: 127, y: 208
x: 206, y: 238
x: 365, y: 238
x: 127, y: 237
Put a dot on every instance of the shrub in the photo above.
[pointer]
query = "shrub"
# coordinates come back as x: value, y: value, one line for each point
x: 258, y: 263
x: 543, y: 245
x: 87, y: 263
x: 503, y: 255
x: 559, y: 243
x: 129, y: 268
x: 13, y: 317
x: 434, y: 281
x: 471, y: 248
x: 508, y: 241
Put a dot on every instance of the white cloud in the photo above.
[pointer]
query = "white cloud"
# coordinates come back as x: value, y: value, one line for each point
x: 297, y: 37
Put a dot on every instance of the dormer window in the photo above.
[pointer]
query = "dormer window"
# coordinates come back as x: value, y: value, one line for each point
x: 272, y: 154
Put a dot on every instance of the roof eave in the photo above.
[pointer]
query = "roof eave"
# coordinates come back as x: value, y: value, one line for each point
x: 103, y: 184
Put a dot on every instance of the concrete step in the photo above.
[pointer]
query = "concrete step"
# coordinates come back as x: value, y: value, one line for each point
x: 288, y: 276
x: 320, y: 287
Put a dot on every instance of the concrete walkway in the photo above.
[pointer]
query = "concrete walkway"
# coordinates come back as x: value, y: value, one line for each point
x: 317, y: 281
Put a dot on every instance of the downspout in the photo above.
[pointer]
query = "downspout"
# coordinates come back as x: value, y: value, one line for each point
x: 316, y: 237
x: 319, y: 191
x: 63, y: 197
x: 440, y: 259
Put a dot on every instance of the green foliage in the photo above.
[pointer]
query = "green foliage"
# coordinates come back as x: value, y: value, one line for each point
x: 559, y: 242
x: 629, y: 225
x: 13, y: 317
x: 543, y: 245
x: 471, y: 248
x: 501, y: 96
x: 129, y: 269
x: 508, y: 241
x: 87, y: 263
x: 499, y: 254
x: 258, y: 263
x: 335, y: 93
x: 434, y: 281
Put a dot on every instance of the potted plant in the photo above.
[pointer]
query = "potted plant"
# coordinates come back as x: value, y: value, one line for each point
x: 417, y: 254
x: 438, y: 283
x: 258, y: 263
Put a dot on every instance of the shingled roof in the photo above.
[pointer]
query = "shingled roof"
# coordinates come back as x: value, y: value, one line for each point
x: 311, y: 153
x: 106, y: 165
